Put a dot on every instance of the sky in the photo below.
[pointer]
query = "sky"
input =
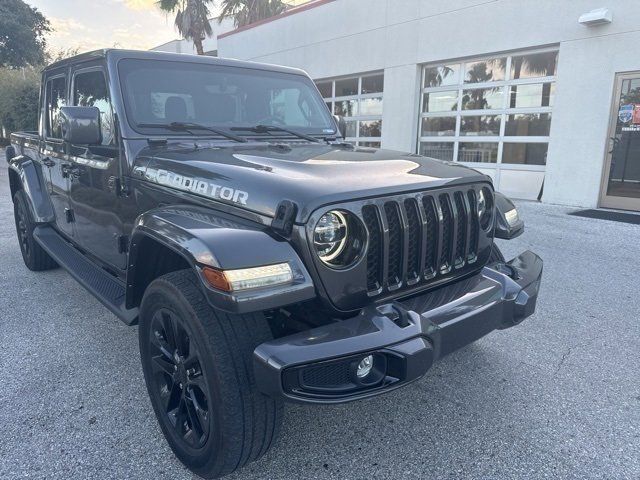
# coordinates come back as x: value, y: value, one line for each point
x: 93, y: 24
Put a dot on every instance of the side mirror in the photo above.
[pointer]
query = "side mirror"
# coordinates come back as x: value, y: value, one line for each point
x: 341, y: 124
x: 80, y: 125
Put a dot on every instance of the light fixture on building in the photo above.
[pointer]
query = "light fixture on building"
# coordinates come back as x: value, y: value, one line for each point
x: 599, y: 16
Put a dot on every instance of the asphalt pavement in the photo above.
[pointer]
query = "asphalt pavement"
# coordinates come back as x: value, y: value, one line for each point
x: 555, y: 397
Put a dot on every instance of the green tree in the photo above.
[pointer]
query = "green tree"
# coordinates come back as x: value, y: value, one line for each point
x: 22, y: 34
x: 19, y: 92
x: 245, y: 12
x: 192, y: 19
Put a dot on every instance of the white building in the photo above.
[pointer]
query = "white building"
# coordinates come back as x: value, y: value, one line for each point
x: 520, y: 89
x: 209, y: 44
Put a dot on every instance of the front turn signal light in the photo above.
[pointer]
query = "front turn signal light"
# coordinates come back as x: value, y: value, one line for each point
x: 247, y: 278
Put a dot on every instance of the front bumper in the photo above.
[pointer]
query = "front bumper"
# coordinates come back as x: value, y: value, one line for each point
x: 404, y: 337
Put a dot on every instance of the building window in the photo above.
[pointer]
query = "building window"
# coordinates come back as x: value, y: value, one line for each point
x: 359, y: 100
x: 493, y: 112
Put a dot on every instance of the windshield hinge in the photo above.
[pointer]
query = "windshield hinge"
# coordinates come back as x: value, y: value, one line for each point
x: 285, y: 217
x: 123, y: 243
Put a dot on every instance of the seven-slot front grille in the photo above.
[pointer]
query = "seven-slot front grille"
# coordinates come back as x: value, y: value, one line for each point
x: 418, y: 238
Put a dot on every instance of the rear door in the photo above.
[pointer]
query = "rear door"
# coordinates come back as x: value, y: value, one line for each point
x: 52, y: 151
x: 95, y: 199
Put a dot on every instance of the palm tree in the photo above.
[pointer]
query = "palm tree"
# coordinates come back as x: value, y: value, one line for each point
x: 192, y: 19
x: 245, y: 12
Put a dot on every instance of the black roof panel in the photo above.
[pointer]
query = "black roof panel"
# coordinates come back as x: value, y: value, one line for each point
x: 112, y: 54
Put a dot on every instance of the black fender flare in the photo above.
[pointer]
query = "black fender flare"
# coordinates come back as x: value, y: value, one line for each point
x: 29, y: 174
x: 205, y: 238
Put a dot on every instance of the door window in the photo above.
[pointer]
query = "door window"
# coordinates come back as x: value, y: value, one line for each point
x: 56, y: 98
x: 624, y: 172
x: 90, y: 90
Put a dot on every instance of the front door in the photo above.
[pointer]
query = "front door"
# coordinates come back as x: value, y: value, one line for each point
x: 53, y: 153
x: 621, y: 185
x: 95, y: 199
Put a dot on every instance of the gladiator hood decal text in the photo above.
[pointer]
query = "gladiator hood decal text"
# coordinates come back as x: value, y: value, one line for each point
x: 195, y: 185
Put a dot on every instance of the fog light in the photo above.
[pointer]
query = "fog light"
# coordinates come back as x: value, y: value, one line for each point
x: 365, y: 366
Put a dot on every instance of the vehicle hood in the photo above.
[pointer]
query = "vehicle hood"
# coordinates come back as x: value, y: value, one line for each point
x: 259, y: 176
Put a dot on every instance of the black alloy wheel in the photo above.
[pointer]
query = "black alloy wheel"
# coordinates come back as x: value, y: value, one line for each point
x: 179, y: 378
x: 23, y: 233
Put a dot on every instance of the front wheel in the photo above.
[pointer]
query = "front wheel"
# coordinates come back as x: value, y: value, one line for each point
x: 197, y: 365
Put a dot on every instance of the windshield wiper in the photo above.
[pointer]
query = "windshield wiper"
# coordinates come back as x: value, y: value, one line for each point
x: 187, y: 127
x: 273, y: 128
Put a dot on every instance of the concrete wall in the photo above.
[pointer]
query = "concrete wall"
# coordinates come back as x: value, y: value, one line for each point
x: 353, y: 36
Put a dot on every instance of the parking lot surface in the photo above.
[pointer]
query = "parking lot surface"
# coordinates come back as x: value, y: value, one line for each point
x: 555, y: 397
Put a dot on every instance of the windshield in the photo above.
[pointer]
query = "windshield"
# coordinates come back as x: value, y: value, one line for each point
x: 162, y: 92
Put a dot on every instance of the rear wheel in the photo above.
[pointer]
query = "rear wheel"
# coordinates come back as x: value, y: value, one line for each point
x: 198, y: 368
x: 34, y: 256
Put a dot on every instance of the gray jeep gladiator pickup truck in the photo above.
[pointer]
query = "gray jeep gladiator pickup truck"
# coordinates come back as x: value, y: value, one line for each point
x: 216, y: 204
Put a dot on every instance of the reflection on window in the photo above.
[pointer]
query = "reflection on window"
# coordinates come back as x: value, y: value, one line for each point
x: 325, y: 89
x: 56, y: 98
x: 525, y: 153
x: 369, y: 144
x: 352, y: 128
x: 534, y: 65
x: 480, y: 125
x: 528, y: 125
x: 442, y: 75
x: 359, y: 99
x: 346, y: 87
x: 534, y: 95
x: 482, y: 98
x: 90, y: 90
x: 440, y: 101
x: 438, y: 126
x: 477, y: 106
x: 439, y: 150
x: 371, y: 128
x: 371, y: 106
x: 485, y: 70
x: 630, y: 91
x: 478, y: 152
x: 222, y: 96
x: 346, y: 108
x: 372, y: 84
x: 290, y: 106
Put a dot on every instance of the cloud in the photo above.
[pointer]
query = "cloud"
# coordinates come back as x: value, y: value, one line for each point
x: 140, y: 4
x: 65, y: 27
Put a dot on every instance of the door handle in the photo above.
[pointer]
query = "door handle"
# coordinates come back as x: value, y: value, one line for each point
x: 48, y: 162
x: 614, y: 143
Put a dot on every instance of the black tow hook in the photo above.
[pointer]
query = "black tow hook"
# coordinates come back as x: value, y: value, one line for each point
x: 397, y: 315
x: 507, y: 270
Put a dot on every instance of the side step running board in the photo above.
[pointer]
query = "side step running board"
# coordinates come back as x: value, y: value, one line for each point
x: 106, y: 288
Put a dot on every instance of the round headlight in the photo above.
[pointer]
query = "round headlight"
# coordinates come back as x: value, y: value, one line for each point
x: 485, y: 208
x: 339, y: 238
x: 330, y: 235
